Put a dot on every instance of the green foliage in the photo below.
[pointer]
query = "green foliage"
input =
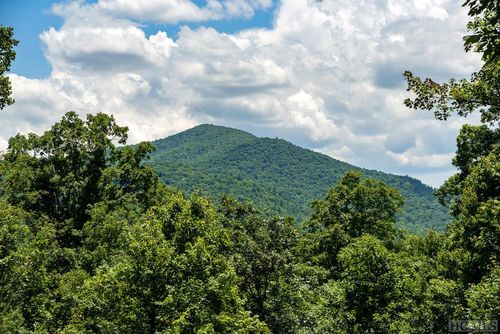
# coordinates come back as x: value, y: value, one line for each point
x: 274, y: 174
x: 458, y: 96
x: 92, y: 242
x: 368, y: 279
x: 359, y: 206
x: 111, y: 250
x: 352, y: 208
x: 144, y: 258
x: 57, y: 173
x: 480, y: 92
x: 483, y: 299
x: 262, y: 250
x: 325, y: 310
x: 473, y: 193
x: 423, y: 300
x: 7, y: 55
x: 64, y: 172
x: 484, y: 34
x: 166, y: 273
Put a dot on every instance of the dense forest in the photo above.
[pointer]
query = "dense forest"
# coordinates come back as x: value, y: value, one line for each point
x: 92, y: 241
x: 275, y: 175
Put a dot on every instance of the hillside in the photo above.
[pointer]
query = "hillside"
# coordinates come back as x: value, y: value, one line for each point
x: 274, y: 174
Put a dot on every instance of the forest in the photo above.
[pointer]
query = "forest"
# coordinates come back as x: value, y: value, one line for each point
x: 275, y: 175
x: 93, y: 241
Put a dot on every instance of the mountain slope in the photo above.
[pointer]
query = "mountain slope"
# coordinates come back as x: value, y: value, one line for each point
x: 274, y: 174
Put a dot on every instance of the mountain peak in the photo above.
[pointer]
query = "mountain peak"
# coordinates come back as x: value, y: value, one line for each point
x: 213, y: 128
x: 207, y: 132
x: 274, y: 174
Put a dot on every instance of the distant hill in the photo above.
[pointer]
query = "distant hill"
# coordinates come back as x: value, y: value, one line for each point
x: 274, y: 174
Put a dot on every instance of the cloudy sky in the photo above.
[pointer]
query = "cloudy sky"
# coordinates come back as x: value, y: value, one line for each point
x: 325, y: 75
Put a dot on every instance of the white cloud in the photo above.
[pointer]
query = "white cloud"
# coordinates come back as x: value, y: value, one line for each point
x: 307, y: 112
x: 170, y: 11
x: 328, y: 75
x: 166, y: 11
x: 89, y: 42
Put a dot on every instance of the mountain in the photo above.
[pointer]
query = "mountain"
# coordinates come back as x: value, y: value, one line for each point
x: 274, y: 174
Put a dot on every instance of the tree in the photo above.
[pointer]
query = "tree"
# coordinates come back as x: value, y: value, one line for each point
x: 7, y: 55
x: 483, y: 297
x: 367, y: 276
x: 74, y: 165
x: 352, y: 208
x: 484, y: 34
x: 359, y: 206
x: 422, y: 300
x: 480, y: 93
x: 262, y: 251
x: 166, y: 272
x: 473, y: 194
x: 92, y: 242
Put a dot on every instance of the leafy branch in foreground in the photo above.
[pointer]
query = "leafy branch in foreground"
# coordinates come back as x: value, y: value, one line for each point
x: 484, y: 29
x: 480, y: 93
x: 7, y: 55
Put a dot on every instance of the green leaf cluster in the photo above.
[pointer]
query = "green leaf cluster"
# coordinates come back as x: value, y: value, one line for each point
x: 7, y: 55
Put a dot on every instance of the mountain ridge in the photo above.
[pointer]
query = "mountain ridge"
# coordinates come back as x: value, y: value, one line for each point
x: 274, y: 174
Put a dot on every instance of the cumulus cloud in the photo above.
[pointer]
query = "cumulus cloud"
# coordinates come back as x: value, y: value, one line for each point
x: 327, y: 75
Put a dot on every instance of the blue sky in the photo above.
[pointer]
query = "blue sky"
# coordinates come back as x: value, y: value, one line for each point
x: 326, y: 75
x: 29, y: 19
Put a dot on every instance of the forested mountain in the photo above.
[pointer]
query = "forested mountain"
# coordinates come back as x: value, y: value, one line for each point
x: 274, y: 174
x: 91, y: 241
